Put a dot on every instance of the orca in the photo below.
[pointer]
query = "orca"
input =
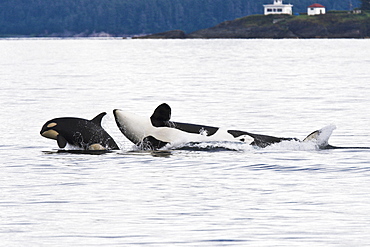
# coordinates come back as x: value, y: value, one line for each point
x: 79, y: 132
x: 158, y: 131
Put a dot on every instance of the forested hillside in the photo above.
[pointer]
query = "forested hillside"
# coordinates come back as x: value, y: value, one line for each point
x: 120, y: 17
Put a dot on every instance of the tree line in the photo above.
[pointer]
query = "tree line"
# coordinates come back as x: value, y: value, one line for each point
x: 120, y: 17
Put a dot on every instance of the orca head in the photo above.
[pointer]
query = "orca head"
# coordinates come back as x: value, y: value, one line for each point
x: 161, y: 116
x: 145, y: 132
x: 49, y: 129
x: 52, y: 130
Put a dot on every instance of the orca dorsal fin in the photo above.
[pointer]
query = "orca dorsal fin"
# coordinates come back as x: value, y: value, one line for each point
x: 321, y: 137
x: 97, y: 120
x: 312, y: 137
x: 161, y: 115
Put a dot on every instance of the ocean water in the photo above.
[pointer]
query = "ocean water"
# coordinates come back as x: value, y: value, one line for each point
x: 208, y: 194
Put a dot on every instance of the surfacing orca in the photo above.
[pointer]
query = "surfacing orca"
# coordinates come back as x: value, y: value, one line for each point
x: 83, y: 133
x: 157, y: 131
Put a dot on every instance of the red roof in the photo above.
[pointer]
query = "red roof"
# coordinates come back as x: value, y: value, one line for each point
x: 316, y: 5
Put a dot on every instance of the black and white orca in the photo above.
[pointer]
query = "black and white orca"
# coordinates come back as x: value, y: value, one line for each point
x: 79, y: 132
x: 157, y: 131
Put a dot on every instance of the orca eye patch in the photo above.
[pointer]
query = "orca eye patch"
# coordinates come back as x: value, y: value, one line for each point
x: 51, y: 125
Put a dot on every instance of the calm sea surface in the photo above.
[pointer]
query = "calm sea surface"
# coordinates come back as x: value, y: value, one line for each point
x: 214, y: 194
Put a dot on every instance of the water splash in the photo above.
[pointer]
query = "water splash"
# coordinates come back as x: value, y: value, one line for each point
x: 243, y: 147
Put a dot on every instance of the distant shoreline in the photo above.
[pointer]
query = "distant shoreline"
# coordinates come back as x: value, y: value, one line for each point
x: 331, y: 25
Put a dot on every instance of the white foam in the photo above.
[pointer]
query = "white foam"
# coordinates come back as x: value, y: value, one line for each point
x: 72, y: 147
x: 210, y: 146
x: 242, y: 147
x: 293, y: 146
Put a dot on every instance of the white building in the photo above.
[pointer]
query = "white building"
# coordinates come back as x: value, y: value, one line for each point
x: 278, y: 8
x: 316, y: 9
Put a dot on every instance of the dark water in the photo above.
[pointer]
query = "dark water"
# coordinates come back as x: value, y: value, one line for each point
x: 210, y: 194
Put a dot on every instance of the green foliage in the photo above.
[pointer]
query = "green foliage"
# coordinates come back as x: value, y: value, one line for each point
x: 118, y: 17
